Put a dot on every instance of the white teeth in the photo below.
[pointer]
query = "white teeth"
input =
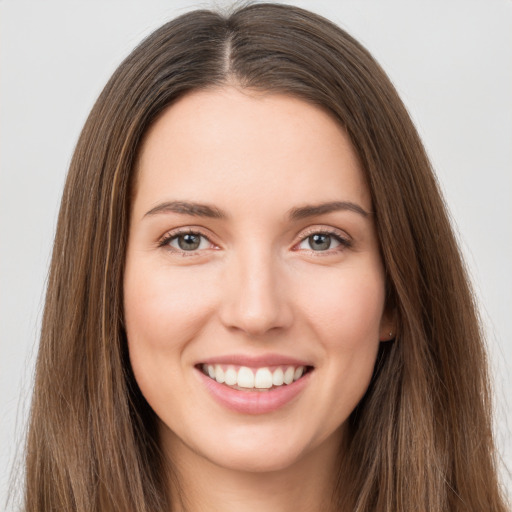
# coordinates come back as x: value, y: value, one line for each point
x: 278, y: 377
x: 288, y: 375
x: 298, y: 373
x: 261, y: 378
x: 219, y: 374
x: 230, y: 377
x: 245, y: 377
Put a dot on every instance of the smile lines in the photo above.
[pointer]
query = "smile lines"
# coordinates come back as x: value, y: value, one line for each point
x: 247, y: 378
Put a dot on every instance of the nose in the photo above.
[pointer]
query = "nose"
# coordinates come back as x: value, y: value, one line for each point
x: 255, y: 297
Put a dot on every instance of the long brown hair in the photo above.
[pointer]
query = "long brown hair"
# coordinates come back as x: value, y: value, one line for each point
x: 421, y: 438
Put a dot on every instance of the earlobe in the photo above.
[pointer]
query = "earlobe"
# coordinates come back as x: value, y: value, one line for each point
x: 388, y: 326
x: 387, y: 336
x: 388, y: 321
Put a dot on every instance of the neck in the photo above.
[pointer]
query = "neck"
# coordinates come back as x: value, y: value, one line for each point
x: 305, y: 486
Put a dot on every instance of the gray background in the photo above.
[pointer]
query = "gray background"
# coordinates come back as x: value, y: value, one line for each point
x: 451, y: 61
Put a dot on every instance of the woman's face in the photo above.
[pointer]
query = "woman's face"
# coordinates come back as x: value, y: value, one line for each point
x: 254, y: 288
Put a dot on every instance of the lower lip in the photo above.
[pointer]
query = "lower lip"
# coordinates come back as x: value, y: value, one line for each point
x: 254, y: 402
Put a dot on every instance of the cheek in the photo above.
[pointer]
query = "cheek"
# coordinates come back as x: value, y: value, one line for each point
x: 163, y: 309
x: 345, y: 317
x: 346, y: 309
x: 163, y: 313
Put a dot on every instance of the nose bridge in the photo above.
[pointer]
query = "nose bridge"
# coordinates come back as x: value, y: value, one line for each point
x: 256, y: 300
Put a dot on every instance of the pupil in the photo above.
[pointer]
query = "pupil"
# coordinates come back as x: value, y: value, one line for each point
x: 319, y: 242
x: 189, y: 242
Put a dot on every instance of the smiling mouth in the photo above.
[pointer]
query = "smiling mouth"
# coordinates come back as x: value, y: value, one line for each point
x: 243, y: 378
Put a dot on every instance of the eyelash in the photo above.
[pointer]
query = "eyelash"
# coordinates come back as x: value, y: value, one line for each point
x: 344, y: 242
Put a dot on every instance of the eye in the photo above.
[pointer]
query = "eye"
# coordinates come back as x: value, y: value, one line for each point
x: 186, y: 242
x: 323, y: 241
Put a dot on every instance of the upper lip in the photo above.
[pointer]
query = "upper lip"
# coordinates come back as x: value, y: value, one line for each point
x: 256, y: 361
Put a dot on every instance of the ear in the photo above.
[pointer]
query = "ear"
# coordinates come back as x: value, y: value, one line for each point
x: 387, y: 330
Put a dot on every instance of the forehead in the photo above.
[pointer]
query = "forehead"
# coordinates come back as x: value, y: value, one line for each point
x: 229, y: 145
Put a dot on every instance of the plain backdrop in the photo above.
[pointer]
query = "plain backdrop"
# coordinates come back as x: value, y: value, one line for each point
x: 451, y: 61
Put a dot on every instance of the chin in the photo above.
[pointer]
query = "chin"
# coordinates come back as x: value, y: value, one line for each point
x: 257, y: 461
x: 260, y: 450
x: 269, y: 450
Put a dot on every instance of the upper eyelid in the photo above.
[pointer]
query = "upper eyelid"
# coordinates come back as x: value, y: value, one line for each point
x: 328, y: 230
x: 183, y: 230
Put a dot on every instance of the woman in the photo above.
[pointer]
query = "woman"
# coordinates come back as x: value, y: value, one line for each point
x: 255, y: 298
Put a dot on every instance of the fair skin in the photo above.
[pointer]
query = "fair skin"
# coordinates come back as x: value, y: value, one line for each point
x: 252, y: 278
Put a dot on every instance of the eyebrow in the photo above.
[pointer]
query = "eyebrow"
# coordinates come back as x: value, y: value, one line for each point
x: 187, y: 208
x: 324, y: 208
x: 298, y: 213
